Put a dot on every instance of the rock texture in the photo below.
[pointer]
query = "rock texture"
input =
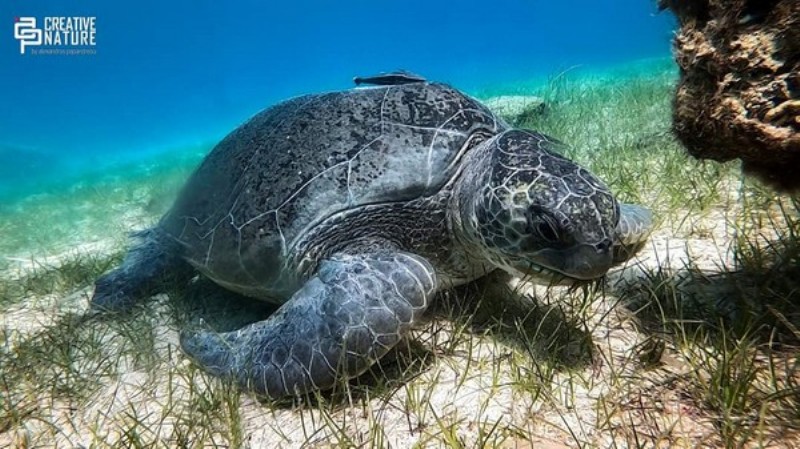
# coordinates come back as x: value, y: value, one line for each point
x: 739, y: 90
x: 516, y: 109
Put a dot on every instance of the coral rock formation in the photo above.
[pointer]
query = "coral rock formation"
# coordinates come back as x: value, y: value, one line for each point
x: 739, y: 90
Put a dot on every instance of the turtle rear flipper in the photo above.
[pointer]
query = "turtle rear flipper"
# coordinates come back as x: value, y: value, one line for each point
x: 389, y: 79
x: 633, y: 229
x: 343, y: 320
x: 151, y: 260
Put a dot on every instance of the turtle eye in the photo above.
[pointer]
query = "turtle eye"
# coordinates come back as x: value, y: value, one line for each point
x: 547, y: 230
x: 544, y: 225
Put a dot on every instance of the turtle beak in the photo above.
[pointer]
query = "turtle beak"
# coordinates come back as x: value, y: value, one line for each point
x: 579, y: 262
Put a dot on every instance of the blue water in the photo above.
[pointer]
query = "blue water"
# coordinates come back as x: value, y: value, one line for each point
x: 168, y: 75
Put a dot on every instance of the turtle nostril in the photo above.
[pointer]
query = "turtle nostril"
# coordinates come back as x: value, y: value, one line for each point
x: 603, y: 246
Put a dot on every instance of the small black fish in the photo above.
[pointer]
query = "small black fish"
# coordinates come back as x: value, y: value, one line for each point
x: 389, y: 79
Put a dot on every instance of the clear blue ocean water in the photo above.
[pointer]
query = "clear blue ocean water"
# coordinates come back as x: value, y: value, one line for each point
x: 167, y: 76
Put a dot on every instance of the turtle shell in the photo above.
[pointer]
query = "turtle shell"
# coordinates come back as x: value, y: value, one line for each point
x: 293, y: 165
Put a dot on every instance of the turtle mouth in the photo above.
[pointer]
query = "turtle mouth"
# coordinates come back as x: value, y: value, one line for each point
x: 543, y: 275
x: 565, y: 266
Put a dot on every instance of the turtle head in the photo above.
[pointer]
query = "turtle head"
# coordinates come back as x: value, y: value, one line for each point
x: 537, y: 214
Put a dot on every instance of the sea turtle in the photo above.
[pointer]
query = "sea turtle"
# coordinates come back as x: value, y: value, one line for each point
x: 352, y: 209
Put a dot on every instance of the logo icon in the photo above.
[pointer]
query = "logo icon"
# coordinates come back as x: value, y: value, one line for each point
x: 26, y: 32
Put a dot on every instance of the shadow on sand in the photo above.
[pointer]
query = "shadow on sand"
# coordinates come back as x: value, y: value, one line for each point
x: 757, y: 298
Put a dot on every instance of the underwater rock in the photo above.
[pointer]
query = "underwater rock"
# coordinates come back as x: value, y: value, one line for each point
x: 739, y: 89
x: 516, y: 109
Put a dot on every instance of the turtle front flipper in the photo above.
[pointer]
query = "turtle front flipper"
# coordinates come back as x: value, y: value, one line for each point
x: 389, y: 79
x: 338, y: 324
x: 633, y: 229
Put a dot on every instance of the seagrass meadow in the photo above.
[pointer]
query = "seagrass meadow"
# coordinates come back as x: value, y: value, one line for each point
x: 693, y: 343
